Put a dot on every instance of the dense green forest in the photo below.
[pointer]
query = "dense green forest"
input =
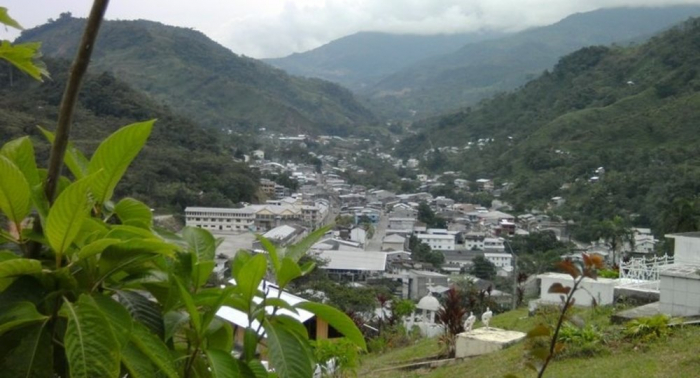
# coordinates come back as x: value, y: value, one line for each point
x: 181, y: 165
x: 633, y: 111
x: 205, y: 81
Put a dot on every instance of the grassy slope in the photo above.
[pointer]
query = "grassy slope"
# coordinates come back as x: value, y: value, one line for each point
x: 205, y: 81
x: 678, y: 356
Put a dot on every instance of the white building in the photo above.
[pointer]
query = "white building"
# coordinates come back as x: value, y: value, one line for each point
x: 493, y: 244
x: 220, y: 219
x: 438, y: 242
x: 500, y: 260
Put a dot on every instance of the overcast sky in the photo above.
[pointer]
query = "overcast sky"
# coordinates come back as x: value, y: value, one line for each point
x: 273, y: 28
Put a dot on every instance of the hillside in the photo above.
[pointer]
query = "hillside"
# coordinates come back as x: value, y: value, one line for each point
x: 359, y: 60
x: 205, y: 81
x: 480, y: 70
x: 181, y: 165
x: 633, y: 111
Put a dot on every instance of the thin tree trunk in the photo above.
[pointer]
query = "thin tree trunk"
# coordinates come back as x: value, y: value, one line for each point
x: 65, y: 115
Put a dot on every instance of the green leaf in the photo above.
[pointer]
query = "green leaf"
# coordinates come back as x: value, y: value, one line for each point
x: 125, y: 232
x: 187, y: 300
x: 272, y: 252
x: 76, y: 162
x: 117, y: 316
x: 19, y: 267
x: 33, y: 357
x: 538, y: 330
x: 132, y: 212
x: 25, y: 56
x: 142, y: 310
x: 202, y: 271
x: 21, y: 152
x: 337, y: 319
x: 92, y: 349
x: 18, y: 315
x: 7, y: 20
x: 222, y: 338
x: 150, y: 346
x: 250, y: 276
x: 222, y: 364
x: 173, y: 320
x: 239, y: 260
x: 114, y: 155
x: 15, y: 197
x: 137, y: 363
x: 201, y: 242
x: 67, y: 214
x: 287, y: 351
x: 96, y: 247
x: 288, y: 271
x: 253, y: 369
x: 296, y: 251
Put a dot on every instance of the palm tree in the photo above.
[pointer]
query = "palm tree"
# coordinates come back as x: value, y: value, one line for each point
x: 615, y: 232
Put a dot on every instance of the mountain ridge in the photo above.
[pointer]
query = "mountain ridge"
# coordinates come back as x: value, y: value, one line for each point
x: 205, y: 81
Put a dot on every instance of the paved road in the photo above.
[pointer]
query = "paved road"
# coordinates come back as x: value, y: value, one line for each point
x: 375, y: 244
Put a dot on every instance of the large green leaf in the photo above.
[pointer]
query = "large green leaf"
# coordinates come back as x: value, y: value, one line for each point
x: 201, y: 242
x: 96, y: 247
x: 271, y: 251
x: 18, y: 315
x: 25, y: 56
x: 288, y: 271
x: 296, y: 251
x: 250, y: 276
x: 114, y: 155
x: 142, y: 310
x: 222, y: 364
x: 186, y: 298
x: 287, y: 351
x: 118, y: 317
x: 92, y: 349
x: 173, y: 321
x: 152, y: 347
x: 337, y: 319
x: 7, y: 20
x: 33, y: 356
x: 134, y: 213
x: 222, y: 338
x: 137, y: 363
x: 76, y: 162
x: 15, y: 194
x: 19, y: 267
x: 21, y: 152
x: 67, y: 214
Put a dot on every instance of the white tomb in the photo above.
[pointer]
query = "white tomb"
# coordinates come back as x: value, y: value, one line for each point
x: 485, y: 340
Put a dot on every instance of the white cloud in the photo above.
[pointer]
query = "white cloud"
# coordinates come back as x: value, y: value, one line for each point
x: 268, y: 28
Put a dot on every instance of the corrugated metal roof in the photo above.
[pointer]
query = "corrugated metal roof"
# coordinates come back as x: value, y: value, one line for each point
x: 354, y: 260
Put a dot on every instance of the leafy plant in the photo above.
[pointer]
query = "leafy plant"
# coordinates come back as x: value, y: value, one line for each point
x: 337, y: 356
x: 541, y: 354
x: 584, y: 341
x: 649, y: 329
x: 450, y: 316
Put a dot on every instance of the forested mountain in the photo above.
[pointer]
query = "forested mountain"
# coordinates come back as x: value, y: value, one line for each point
x: 205, y: 81
x: 480, y: 70
x: 634, y: 111
x: 181, y: 165
x: 359, y: 60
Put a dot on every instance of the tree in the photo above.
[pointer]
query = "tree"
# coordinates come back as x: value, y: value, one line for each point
x: 615, y: 232
x: 683, y: 215
x: 450, y: 315
x: 482, y: 268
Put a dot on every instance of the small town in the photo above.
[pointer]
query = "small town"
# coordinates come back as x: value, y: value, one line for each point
x: 333, y: 189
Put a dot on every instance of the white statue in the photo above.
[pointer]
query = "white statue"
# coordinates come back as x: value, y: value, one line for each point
x: 486, y: 317
x: 469, y: 323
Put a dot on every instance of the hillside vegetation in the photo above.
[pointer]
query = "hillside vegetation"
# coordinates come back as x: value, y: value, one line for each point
x: 181, y: 165
x: 480, y: 70
x: 633, y: 111
x: 359, y: 60
x: 205, y: 81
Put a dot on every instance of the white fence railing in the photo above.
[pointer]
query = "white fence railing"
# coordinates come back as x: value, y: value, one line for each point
x: 644, y: 268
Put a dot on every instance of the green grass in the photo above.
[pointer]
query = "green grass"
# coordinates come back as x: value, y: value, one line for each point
x: 676, y: 356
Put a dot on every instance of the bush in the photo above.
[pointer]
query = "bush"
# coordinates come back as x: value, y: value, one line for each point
x: 609, y: 273
x: 649, y: 329
x: 342, y: 354
x: 581, y: 342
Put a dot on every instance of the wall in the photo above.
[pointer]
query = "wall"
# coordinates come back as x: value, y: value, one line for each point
x: 679, y: 295
x: 602, y: 289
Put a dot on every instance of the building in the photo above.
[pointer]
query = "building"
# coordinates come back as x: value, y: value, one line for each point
x: 283, y: 236
x: 438, y: 242
x: 220, y: 219
x: 493, y: 244
x: 267, y: 187
x: 393, y: 242
x: 401, y: 223
x: 500, y: 260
